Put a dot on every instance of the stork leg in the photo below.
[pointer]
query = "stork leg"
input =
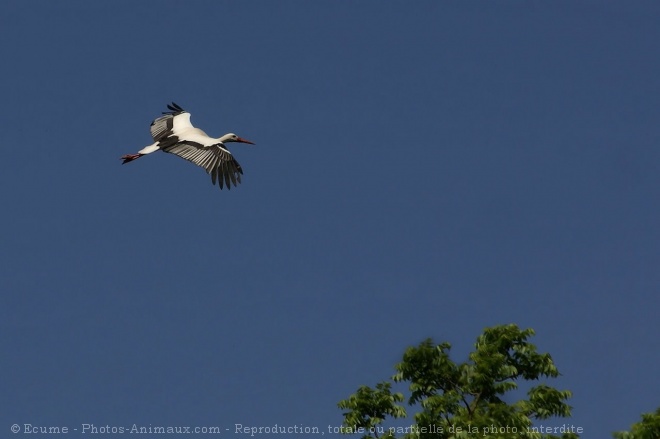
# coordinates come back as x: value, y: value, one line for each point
x: 144, y: 151
x: 130, y: 157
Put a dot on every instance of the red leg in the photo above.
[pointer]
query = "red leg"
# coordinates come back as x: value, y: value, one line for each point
x: 130, y: 157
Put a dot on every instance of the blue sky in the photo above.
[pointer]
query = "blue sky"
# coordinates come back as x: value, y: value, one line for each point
x: 422, y: 169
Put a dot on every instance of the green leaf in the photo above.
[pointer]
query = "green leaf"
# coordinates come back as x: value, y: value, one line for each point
x: 467, y: 395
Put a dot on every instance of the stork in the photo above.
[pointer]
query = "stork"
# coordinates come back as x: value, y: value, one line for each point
x: 174, y: 133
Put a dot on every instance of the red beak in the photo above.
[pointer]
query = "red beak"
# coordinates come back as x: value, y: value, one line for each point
x: 240, y: 139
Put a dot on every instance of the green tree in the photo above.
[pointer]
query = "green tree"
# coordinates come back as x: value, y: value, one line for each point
x: 648, y: 428
x: 466, y: 400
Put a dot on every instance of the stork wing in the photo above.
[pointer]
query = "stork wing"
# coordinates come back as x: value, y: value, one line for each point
x: 215, y: 159
x: 172, y: 122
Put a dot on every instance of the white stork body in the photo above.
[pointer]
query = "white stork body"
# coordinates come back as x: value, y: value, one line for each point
x: 174, y: 133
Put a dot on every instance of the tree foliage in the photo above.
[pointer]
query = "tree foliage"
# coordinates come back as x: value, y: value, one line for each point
x: 648, y: 428
x: 465, y: 400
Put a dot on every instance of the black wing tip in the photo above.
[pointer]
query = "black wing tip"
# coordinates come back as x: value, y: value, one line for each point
x: 226, y: 174
x: 226, y: 178
x: 174, y: 109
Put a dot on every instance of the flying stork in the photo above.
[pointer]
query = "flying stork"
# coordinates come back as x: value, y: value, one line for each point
x: 174, y: 133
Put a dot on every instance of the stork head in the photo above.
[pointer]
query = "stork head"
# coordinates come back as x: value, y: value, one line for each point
x: 231, y: 137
